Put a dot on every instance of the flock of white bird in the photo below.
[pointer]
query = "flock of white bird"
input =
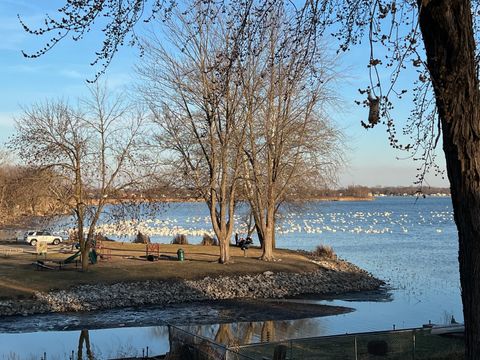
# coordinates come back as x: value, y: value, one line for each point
x: 292, y: 223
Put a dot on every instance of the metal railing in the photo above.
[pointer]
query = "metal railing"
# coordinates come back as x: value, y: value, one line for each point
x: 185, y: 345
x: 410, y: 344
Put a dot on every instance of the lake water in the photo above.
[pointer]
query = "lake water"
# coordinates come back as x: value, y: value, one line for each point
x: 411, y: 243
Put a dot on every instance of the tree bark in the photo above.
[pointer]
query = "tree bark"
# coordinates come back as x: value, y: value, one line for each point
x: 447, y: 31
x: 259, y: 234
x: 267, y: 254
x: 224, y: 244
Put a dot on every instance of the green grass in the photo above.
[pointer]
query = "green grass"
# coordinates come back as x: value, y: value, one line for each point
x: 19, y: 278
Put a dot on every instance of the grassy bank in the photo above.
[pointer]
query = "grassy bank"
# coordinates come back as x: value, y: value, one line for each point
x: 125, y: 262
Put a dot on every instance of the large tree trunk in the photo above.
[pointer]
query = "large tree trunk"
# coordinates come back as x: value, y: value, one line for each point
x: 224, y: 243
x: 447, y: 31
x: 84, y: 252
x: 267, y: 254
x: 84, y: 249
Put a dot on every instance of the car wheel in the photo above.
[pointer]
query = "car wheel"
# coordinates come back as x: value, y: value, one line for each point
x: 33, y: 242
x: 56, y: 241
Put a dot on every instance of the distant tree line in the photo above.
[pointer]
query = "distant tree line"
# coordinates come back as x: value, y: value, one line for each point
x: 360, y: 191
x: 409, y: 190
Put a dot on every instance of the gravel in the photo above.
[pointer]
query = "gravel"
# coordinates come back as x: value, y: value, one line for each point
x: 331, y: 278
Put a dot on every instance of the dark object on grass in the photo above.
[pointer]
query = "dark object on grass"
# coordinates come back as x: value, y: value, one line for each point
x: 207, y: 240
x: 377, y: 347
x: 180, y: 239
x: 150, y: 258
x: 42, y: 266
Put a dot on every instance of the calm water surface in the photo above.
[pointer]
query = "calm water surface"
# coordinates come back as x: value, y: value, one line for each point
x: 410, y: 243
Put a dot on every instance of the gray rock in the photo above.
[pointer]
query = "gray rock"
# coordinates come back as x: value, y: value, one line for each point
x: 267, y: 285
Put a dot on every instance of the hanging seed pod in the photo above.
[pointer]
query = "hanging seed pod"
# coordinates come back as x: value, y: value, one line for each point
x: 374, y: 112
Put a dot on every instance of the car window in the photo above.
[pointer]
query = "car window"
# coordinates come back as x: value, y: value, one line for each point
x: 46, y: 233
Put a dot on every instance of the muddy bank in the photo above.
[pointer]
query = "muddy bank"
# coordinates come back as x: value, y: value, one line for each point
x: 198, y: 313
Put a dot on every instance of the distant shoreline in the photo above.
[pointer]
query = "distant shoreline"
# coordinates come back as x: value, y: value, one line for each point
x: 343, y: 198
x: 196, y: 200
x: 319, y: 198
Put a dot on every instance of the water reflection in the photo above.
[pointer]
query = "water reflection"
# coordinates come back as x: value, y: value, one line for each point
x: 84, y: 338
x: 241, y: 333
x: 155, y: 340
x: 84, y: 344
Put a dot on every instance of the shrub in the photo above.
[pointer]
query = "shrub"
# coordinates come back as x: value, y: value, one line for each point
x: 142, y: 239
x: 180, y: 239
x: 207, y: 240
x: 101, y: 237
x: 324, y: 251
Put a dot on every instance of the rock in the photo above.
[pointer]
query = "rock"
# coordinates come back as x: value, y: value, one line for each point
x: 343, y: 277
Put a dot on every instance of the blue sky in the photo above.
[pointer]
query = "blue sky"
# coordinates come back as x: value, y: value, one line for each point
x: 61, y: 73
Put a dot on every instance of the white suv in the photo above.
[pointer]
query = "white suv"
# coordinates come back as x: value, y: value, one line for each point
x: 32, y: 237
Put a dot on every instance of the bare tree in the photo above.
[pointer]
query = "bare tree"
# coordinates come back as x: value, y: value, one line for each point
x: 194, y: 93
x: 26, y: 190
x: 29, y: 191
x: 290, y: 139
x: 34, y: 191
x: 90, y: 147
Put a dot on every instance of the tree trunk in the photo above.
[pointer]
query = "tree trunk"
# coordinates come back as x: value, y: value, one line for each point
x: 84, y: 251
x: 274, y: 241
x: 269, y: 233
x: 224, y: 243
x: 447, y: 31
x: 259, y: 234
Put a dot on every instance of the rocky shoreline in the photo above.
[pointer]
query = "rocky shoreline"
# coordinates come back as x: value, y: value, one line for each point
x: 338, y: 278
